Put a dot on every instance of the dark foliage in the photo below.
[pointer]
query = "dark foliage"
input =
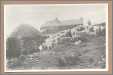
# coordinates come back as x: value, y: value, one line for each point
x: 13, y: 48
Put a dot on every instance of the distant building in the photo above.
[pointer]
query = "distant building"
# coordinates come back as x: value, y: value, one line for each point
x: 99, y: 27
x: 96, y: 28
x: 54, y: 26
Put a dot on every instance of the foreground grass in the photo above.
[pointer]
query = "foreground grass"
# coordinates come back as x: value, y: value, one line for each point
x: 88, y: 54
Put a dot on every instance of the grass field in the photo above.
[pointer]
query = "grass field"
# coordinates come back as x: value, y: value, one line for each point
x: 88, y: 54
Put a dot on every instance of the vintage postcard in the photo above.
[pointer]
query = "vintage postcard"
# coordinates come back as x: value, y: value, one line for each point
x: 55, y: 37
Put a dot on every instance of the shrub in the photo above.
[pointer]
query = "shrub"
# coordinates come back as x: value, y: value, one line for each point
x: 68, y: 60
x: 12, y: 48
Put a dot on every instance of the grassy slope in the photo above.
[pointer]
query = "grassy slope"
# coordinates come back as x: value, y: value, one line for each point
x: 88, y: 54
x: 85, y: 55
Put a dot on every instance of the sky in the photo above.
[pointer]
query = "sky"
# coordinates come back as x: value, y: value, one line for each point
x: 37, y: 14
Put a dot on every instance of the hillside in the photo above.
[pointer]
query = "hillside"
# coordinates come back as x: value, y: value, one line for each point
x: 24, y: 40
x: 66, y: 54
x: 90, y: 54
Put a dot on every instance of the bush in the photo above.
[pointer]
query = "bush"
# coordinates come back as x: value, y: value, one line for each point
x: 12, y: 48
x: 68, y: 60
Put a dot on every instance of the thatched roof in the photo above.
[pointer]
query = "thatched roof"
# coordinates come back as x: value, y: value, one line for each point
x: 57, y: 22
x: 54, y: 22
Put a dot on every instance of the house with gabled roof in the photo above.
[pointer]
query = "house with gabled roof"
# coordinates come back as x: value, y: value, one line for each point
x: 56, y: 25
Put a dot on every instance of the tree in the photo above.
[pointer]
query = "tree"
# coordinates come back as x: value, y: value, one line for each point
x: 12, y: 48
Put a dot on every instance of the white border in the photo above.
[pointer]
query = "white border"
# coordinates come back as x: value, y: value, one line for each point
x: 49, y: 70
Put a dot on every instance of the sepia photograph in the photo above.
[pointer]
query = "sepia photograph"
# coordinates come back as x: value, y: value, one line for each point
x: 55, y: 37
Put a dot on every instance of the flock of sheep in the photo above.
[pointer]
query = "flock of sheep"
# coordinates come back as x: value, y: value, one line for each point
x: 70, y: 34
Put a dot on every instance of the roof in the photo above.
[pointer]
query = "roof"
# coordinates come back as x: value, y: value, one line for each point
x: 57, y: 22
x: 54, y: 22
